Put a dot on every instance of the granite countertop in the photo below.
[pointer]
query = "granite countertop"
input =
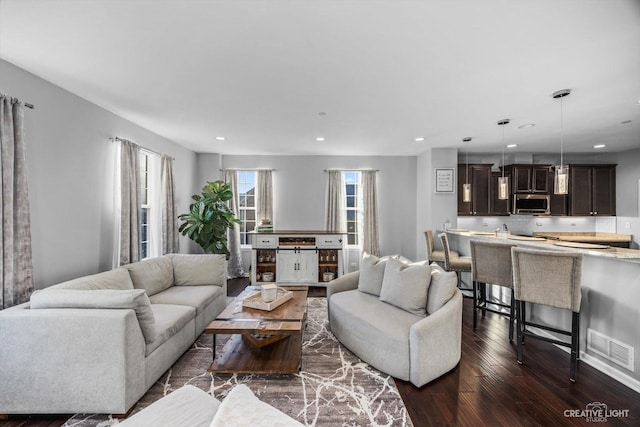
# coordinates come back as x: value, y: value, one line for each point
x: 587, y: 237
x: 548, y: 244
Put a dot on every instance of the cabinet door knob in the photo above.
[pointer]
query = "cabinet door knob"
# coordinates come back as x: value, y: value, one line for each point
x: 595, y: 213
x: 590, y: 213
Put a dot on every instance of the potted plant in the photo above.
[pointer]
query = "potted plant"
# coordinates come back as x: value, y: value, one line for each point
x: 209, y: 218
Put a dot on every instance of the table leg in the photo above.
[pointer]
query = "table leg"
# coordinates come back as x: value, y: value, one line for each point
x: 214, y: 347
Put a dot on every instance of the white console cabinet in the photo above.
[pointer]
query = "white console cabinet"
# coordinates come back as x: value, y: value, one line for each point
x: 296, y: 257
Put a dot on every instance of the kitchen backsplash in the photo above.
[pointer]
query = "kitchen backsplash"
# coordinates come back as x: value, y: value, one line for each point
x: 527, y: 224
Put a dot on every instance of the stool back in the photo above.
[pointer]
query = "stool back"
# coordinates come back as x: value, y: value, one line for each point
x: 491, y: 263
x: 445, y: 249
x: 547, y: 277
x: 430, y: 243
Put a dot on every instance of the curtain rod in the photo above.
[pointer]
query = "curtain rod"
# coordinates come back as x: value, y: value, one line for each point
x: 354, y: 170
x: 244, y: 169
x: 113, y: 139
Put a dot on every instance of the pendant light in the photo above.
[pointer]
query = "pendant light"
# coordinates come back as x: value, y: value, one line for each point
x: 503, y: 181
x: 466, y: 187
x: 561, y: 185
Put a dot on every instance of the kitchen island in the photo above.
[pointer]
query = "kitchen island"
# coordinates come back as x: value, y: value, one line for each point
x: 610, y: 313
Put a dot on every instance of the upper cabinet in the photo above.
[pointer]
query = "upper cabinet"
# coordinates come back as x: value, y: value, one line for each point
x: 559, y: 203
x: 592, y: 190
x: 530, y: 178
x: 497, y: 206
x: 479, y: 178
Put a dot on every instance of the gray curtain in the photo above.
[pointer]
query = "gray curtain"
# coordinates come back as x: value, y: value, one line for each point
x: 170, y: 241
x: 336, y: 220
x: 370, y: 213
x: 264, y: 196
x: 129, y: 202
x: 16, y: 263
x: 235, y: 265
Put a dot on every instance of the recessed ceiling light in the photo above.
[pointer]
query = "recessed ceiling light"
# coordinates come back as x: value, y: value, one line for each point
x: 420, y: 139
x: 624, y: 122
x: 220, y: 138
x: 512, y: 145
x: 600, y: 146
x: 319, y: 139
x: 527, y: 126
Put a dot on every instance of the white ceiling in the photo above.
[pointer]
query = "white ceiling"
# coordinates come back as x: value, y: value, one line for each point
x: 385, y: 72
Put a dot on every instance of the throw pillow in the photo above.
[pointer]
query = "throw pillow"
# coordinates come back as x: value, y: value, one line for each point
x: 371, y: 273
x: 193, y: 270
x: 443, y: 286
x: 406, y: 286
x: 242, y: 408
x: 153, y: 275
x: 134, y: 299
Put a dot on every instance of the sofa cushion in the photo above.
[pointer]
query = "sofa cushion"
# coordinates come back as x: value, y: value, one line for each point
x: 371, y: 273
x: 242, y: 408
x: 406, y: 286
x: 169, y: 320
x: 113, y: 279
x: 133, y: 299
x: 442, y: 288
x: 361, y: 322
x: 198, y: 297
x: 191, y: 270
x: 187, y: 406
x: 153, y: 275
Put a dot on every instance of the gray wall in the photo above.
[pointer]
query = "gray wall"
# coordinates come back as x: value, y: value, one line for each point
x: 300, y: 184
x: 627, y: 179
x: 70, y: 164
x: 433, y: 209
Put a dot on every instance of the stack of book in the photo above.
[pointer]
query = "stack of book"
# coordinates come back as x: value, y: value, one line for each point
x: 265, y: 226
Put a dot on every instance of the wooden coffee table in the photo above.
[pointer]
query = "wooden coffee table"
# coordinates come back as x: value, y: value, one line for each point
x: 263, y: 342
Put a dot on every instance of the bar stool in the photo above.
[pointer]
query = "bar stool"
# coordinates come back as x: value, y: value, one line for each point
x: 553, y: 279
x: 491, y: 265
x: 457, y: 263
x: 432, y: 254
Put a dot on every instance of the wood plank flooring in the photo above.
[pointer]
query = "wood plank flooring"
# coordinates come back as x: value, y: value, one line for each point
x: 488, y: 387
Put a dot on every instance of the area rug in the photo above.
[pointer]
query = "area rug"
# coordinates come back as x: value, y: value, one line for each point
x: 334, y: 387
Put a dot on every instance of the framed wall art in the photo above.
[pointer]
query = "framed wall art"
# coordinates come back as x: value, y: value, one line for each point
x: 445, y: 181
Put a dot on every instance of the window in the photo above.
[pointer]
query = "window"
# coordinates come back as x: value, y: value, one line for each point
x: 150, y: 222
x: 145, y: 208
x: 353, y: 191
x: 247, y: 204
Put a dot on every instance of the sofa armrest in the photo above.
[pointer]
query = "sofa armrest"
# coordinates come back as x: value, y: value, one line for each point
x: 435, y: 342
x: 347, y: 282
x: 343, y: 283
x: 70, y: 360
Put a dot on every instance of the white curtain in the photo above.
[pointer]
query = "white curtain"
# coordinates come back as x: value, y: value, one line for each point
x: 170, y: 241
x: 235, y: 265
x: 336, y: 220
x: 370, y: 213
x: 129, y: 241
x: 264, y: 196
x: 16, y: 262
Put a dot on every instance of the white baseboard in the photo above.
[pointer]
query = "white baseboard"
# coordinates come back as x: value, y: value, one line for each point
x: 596, y: 363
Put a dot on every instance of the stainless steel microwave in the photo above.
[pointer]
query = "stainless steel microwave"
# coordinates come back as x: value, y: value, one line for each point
x: 531, y: 204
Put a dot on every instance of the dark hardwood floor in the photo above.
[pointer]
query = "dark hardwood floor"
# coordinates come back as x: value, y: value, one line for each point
x: 488, y: 387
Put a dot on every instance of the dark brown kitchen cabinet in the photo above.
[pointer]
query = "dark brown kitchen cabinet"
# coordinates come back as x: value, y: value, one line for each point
x: 592, y: 190
x: 558, y: 203
x: 530, y: 178
x: 479, y: 178
x: 497, y: 206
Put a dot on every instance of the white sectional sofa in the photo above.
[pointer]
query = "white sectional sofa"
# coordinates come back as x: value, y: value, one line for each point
x: 96, y: 344
x: 403, y: 319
